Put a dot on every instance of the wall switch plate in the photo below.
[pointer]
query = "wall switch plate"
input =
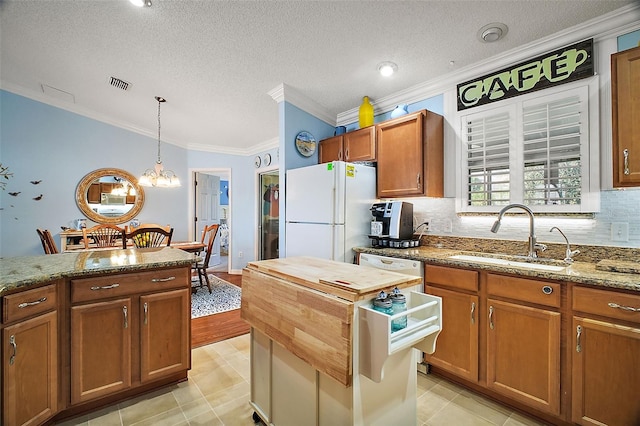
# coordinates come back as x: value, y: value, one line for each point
x: 620, y: 231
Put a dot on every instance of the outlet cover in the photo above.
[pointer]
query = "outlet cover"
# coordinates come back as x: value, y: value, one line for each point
x: 620, y: 231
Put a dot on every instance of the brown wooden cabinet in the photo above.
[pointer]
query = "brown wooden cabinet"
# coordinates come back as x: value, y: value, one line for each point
x: 457, y: 348
x: 359, y: 145
x: 523, y: 341
x: 605, y: 353
x: 410, y: 154
x: 30, y: 357
x: 625, y: 93
x: 101, y: 349
x: 128, y: 330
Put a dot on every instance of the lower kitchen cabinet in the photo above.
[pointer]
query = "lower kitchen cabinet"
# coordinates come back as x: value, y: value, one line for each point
x: 523, y: 354
x: 457, y: 350
x: 30, y: 357
x: 165, y: 340
x: 128, y: 330
x: 100, y: 349
x: 30, y: 382
x: 605, y: 357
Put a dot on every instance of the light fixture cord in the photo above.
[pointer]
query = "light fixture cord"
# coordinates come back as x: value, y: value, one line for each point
x: 159, y: 160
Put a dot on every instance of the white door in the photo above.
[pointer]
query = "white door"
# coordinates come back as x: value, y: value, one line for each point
x: 207, y: 208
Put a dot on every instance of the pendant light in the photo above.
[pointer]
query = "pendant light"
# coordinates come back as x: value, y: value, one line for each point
x: 158, y: 176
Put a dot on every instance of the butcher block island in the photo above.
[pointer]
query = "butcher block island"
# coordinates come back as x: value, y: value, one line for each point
x: 321, y: 355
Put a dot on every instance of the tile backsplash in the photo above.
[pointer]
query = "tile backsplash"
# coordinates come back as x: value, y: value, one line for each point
x: 617, y: 207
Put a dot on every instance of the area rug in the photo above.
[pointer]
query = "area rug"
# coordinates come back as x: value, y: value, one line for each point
x: 223, y: 297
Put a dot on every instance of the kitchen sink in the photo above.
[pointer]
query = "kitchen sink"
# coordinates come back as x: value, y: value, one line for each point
x: 531, y: 264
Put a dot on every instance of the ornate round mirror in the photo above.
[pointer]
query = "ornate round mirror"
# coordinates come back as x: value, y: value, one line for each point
x: 110, y: 196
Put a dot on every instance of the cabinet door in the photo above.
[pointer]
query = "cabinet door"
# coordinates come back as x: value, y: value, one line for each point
x: 457, y: 347
x: 523, y: 354
x: 605, y: 376
x: 165, y: 339
x: 100, y: 349
x: 330, y: 149
x: 30, y: 370
x: 625, y: 92
x: 410, y: 156
x: 360, y: 145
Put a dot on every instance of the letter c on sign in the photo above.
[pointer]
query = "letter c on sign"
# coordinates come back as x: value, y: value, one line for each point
x: 471, y: 93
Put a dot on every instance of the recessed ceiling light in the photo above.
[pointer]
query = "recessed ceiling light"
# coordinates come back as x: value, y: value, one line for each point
x: 141, y: 3
x: 492, y: 32
x: 387, y: 69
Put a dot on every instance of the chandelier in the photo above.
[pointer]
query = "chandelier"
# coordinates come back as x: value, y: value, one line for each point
x: 158, y: 176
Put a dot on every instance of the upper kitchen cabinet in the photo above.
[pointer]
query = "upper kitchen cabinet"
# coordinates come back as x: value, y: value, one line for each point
x: 625, y: 93
x: 359, y: 145
x: 410, y: 156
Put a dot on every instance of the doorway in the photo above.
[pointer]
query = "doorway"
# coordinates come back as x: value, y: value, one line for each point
x: 269, y: 216
x: 212, y: 206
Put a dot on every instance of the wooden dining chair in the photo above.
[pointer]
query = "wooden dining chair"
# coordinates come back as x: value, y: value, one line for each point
x: 209, y: 234
x: 150, y: 237
x: 48, y: 245
x: 147, y: 225
x: 104, y: 236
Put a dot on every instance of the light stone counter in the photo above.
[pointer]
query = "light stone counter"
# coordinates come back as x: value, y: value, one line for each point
x: 18, y: 273
x: 578, y: 272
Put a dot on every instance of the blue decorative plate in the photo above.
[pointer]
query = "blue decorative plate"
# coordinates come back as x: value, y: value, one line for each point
x: 306, y: 144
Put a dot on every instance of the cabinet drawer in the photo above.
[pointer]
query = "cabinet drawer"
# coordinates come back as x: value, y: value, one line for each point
x: 607, y: 303
x: 28, y: 303
x: 532, y: 291
x: 451, y: 277
x: 88, y: 289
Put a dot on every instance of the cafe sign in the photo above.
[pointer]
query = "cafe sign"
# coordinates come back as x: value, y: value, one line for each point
x: 558, y: 67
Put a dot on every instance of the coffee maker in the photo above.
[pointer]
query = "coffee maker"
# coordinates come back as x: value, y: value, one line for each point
x: 396, y: 218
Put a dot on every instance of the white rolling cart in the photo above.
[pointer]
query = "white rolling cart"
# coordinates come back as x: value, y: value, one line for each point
x: 375, y: 383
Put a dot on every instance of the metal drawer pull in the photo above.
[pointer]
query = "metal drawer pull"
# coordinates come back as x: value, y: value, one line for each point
x: 36, y: 302
x: 625, y: 308
x: 146, y: 312
x: 625, y: 153
x: 162, y: 280
x: 126, y: 316
x: 547, y: 289
x: 12, y: 342
x: 473, y: 313
x: 578, y: 334
x: 491, y: 317
x: 105, y: 287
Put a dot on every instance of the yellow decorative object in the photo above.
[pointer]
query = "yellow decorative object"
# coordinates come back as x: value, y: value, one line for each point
x: 366, y: 113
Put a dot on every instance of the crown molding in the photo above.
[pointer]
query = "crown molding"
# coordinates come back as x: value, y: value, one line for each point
x: 284, y: 92
x: 613, y: 24
x: 253, y: 150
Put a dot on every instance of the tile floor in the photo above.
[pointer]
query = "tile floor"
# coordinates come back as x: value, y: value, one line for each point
x: 217, y: 393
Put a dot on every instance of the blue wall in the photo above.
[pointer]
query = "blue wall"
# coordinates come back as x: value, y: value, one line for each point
x: 41, y: 142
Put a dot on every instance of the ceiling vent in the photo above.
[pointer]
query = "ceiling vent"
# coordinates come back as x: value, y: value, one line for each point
x: 118, y: 83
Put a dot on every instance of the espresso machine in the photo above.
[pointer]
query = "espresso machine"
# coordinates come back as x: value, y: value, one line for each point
x: 396, y: 218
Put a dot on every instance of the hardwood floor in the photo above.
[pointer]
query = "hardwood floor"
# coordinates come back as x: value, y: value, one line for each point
x: 222, y: 326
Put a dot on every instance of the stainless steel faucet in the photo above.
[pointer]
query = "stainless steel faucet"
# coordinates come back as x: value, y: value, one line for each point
x: 533, y: 245
x: 568, y: 257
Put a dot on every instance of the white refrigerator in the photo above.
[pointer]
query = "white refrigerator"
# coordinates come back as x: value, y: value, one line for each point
x: 328, y: 210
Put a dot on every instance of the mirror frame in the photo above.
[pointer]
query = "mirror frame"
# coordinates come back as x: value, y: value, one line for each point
x: 83, y: 204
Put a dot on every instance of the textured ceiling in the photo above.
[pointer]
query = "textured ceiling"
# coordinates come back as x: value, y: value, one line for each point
x: 216, y: 61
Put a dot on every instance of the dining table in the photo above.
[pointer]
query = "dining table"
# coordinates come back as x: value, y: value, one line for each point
x: 189, y: 246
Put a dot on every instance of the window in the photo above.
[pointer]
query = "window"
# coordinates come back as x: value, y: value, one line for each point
x: 534, y: 150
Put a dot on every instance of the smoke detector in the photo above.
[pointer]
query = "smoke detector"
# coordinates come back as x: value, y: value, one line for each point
x: 492, y: 32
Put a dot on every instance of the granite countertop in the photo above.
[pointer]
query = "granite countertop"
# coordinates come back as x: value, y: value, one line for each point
x: 17, y: 272
x: 578, y: 272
